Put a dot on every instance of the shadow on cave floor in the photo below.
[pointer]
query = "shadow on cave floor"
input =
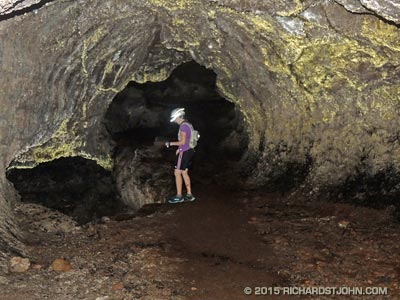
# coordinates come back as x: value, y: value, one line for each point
x: 211, y: 248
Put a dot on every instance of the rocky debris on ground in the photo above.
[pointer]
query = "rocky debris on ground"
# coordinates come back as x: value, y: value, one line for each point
x: 118, y: 260
x: 105, y: 219
x: 313, y: 243
x: 37, y: 217
x: 343, y: 224
x: 61, y: 265
x: 4, y: 280
x: 36, y: 266
x: 331, y: 244
x: 19, y: 264
x: 117, y: 286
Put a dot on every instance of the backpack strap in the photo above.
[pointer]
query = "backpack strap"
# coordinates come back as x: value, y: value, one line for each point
x: 189, y: 124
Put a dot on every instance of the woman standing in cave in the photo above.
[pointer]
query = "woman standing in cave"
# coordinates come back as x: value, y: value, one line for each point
x: 185, y: 156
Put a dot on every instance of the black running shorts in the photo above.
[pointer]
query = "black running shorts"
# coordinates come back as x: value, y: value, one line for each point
x: 185, y: 160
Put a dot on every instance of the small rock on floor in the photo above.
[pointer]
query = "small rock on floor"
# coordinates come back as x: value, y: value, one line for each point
x: 19, y: 264
x: 61, y: 265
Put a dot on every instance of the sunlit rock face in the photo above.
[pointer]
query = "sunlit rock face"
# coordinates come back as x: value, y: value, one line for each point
x: 316, y: 81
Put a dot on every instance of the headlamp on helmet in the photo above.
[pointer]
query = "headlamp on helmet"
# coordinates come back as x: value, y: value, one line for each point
x: 177, y: 113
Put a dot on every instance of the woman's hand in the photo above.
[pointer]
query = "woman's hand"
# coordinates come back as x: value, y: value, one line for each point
x: 177, y: 151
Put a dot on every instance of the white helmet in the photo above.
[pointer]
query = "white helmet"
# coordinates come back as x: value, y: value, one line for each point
x: 177, y: 113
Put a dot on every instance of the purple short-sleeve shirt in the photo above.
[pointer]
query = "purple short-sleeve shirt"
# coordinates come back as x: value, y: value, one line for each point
x: 185, y: 128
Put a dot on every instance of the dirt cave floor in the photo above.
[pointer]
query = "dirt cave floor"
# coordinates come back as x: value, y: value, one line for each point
x: 210, y: 249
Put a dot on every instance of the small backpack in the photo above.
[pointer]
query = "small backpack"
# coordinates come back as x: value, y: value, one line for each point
x: 194, y: 136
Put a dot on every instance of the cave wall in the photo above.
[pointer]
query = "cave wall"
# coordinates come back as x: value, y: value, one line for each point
x: 314, y: 82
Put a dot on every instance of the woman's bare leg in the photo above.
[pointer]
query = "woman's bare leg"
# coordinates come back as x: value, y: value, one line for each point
x: 186, y: 178
x: 178, y: 182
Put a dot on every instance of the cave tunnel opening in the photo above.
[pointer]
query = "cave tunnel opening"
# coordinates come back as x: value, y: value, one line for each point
x: 75, y: 186
x: 138, y: 118
x: 138, y: 121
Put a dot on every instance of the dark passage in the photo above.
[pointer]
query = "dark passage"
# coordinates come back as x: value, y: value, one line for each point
x: 75, y: 186
x: 138, y: 120
x: 139, y: 116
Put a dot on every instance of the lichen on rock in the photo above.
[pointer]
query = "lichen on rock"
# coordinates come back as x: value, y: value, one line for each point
x: 317, y: 85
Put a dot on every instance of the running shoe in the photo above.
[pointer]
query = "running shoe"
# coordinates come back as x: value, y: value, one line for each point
x: 189, y: 197
x: 176, y: 199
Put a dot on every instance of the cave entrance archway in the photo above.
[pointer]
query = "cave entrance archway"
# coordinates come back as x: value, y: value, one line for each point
x: 138, y: 121
x: 138, y: 118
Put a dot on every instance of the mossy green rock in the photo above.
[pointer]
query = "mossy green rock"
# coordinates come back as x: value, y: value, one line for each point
x: 317, y: 84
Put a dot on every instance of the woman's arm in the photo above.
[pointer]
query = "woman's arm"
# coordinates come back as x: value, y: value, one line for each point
x: 182, y: 140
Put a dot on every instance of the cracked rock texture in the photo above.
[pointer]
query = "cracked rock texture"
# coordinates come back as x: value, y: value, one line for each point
x: 8, y: 7
x: 387, y: 9
x: 142, y: 176
x: 316, y: 81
